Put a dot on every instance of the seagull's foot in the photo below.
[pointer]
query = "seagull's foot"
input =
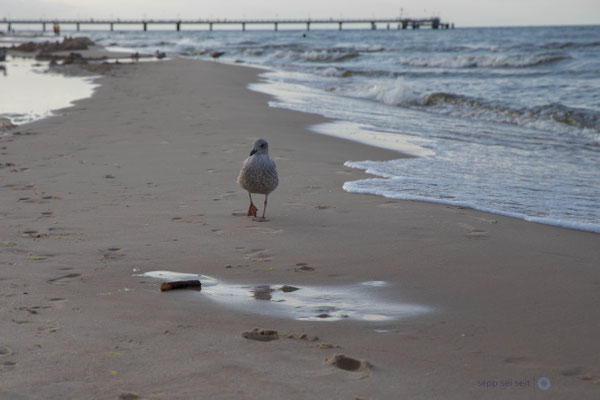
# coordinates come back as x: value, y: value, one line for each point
x: 252, y: 210
x: 261, y: 219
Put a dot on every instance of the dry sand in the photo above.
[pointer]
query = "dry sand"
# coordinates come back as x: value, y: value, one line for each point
x: 142, y: 177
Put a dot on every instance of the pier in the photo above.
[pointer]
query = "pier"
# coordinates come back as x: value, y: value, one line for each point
x: 308, y: 24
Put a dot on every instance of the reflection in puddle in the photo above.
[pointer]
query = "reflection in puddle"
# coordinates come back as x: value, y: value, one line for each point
x: 262, y: 292
x: 31, y: 91
x: 315, y: 303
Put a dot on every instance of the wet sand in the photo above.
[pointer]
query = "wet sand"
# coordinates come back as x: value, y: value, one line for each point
x: 142, y: 177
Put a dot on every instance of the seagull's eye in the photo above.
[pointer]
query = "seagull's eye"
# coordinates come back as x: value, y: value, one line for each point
x: 262, y: 145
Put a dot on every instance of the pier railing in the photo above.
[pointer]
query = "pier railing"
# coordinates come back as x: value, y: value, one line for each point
x: 388, y: 23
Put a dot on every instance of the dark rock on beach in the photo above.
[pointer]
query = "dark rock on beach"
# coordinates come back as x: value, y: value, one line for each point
x: 75, y: 58
x: 261, y: 335
x: 68, y: 44
x: 6, y: 124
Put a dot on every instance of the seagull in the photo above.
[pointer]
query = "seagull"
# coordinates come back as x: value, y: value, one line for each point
x: 258, y: 175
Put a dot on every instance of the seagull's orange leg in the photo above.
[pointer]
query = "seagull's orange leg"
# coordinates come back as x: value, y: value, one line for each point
x: 252, y: 209
x: 263, y: 219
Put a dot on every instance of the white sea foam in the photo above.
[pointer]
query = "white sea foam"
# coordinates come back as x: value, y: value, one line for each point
x: 365, y: 134
x: 356, y: 187
x: 488, y: 196
x: 398, y: 93
x: 328, y: 55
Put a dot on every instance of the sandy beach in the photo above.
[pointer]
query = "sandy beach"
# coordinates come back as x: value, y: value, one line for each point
x: 142, y: 177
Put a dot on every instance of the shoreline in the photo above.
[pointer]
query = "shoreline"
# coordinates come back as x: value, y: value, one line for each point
x: 141, y: 176
x: 405, y: 145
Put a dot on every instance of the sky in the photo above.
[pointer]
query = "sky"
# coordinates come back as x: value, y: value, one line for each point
x: 462, y: 12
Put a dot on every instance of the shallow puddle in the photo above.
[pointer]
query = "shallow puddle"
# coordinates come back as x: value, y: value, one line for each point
x: 32, y: 91
x: 315, y: 303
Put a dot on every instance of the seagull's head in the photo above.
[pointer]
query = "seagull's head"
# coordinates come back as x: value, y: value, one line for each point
x: 260, y: 147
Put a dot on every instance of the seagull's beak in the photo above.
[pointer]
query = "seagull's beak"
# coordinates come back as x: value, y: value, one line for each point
x: 253, y: 151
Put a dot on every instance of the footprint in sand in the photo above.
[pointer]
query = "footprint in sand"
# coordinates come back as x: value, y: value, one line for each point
x: 8, y: 364
x: 261, y: 335
x: 34, y: 309
x: 309, y: 189
x: 304, y: 336
x: 523, y: 362
x: 32, y: 201
x: 346, y: 363
x: 474, y: 233
x: 112, y: 253
x: 49, y: 327
x: 190, y: 219
x: 34, y: 234
x: 477, y: 234
x: 58, y: 301
x: 328, y: 346
x: 582, y: 373
x: 266, y: 231
x: 64, y: 279
x: 258, y: 255
x: 572, y: 371
x: 391, y: 204
x: 14, y: 186
x: 297, y: 204
x: 129, y: 396
x: 303, y: 267
x: 230, y: 195
x: 5, y: 351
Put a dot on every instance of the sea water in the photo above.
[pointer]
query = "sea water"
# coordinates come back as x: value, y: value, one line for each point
x: 307, y: 303
x: 505, y: 120
x: 30, y: 90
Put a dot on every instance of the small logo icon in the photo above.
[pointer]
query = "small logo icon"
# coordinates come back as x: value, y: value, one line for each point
x: 543, y: 383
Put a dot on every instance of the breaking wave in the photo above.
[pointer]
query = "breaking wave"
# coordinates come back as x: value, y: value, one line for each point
x: 473, y: 107
x: 556, y: 117
x: 570, y: 45
x: 484, y: 61
x: 328, y: 55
